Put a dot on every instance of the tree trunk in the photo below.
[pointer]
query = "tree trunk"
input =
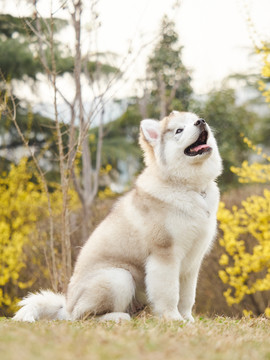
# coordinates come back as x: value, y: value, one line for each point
x: 162, y: 96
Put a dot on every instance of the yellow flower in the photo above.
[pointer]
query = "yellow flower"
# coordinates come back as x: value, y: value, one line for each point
x: 247, y: 313
x: 224, y: 259
x: 267, y: 312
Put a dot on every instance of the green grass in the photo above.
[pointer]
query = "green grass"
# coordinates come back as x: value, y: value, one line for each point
x: 142, y: 338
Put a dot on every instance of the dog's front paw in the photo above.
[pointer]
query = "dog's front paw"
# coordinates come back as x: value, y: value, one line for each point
x: 189, y: 318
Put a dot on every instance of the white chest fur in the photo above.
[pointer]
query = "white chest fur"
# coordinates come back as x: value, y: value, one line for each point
x: 191, y: 215
x: 192, y: 224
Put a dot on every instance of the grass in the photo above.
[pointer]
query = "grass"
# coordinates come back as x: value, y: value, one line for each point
x: 144, y: 338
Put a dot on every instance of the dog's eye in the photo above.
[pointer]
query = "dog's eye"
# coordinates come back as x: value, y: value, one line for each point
x: 178, y: 131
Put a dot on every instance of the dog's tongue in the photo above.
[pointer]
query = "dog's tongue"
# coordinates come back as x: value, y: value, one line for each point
x: 199, y: 147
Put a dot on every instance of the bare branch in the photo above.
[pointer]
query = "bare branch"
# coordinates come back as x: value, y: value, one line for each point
x: 98, y: 159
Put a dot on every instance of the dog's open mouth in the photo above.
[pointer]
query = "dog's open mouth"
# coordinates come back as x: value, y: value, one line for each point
x: 199, y: 147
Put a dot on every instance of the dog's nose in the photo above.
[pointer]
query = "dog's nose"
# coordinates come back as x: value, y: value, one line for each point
x: 199, y: 122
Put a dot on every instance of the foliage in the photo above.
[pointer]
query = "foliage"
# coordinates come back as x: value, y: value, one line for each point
x: 241, y: 262
x: 246, y: 238
x: 119, y: 142
x: 256, y: 172
x: 229, y: 120
x: 167, y: 85
x: 23, y: 62
x: 265, y: 71
x: 19, y: 43
x: 169, y: 78
x: 106, y: 193
x: 39, y: 132
x: 11, y: 26
x: 23, y: 203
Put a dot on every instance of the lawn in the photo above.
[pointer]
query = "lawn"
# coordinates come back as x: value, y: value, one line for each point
x: 142, y: 338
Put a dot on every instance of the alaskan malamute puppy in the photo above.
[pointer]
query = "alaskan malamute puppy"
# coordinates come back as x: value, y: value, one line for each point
x: 149, y: 249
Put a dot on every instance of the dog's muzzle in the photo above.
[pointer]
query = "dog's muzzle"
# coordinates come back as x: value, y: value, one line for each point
x: 200, y: 146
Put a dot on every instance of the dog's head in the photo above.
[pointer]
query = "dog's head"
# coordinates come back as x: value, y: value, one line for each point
x: 182, y: 146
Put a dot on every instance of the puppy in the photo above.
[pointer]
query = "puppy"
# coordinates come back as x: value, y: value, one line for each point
x: 149, y: 249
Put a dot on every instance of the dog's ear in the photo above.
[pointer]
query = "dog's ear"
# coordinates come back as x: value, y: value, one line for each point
x: 151, y: 130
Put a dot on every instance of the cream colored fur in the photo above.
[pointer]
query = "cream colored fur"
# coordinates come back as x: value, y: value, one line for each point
x: 149, y: 249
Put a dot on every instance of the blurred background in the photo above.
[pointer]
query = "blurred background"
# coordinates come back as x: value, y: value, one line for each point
x: 76, y: 78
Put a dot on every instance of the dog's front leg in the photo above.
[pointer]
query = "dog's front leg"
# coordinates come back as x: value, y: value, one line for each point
x: 188, y: 284
x: 162, y: 286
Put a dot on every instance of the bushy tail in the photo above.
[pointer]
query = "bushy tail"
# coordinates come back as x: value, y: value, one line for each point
x: 43, y: 305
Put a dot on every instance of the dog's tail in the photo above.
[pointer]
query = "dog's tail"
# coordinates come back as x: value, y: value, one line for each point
x: 43, y: 305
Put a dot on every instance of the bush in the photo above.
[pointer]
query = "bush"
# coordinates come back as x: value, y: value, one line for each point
x: 22, y: 204
x: 246, y: 241
x: 24, y: 232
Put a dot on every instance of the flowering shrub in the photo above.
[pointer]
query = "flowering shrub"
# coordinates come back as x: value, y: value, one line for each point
x: 247, y: 264
x: 256, y: 172
x: 23, y: 203
x: 264, y: 49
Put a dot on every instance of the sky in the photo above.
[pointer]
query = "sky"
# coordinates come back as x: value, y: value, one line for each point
x: 215, y: 34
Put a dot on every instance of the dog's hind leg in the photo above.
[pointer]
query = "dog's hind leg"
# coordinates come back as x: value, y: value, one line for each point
x: 106, y: 295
